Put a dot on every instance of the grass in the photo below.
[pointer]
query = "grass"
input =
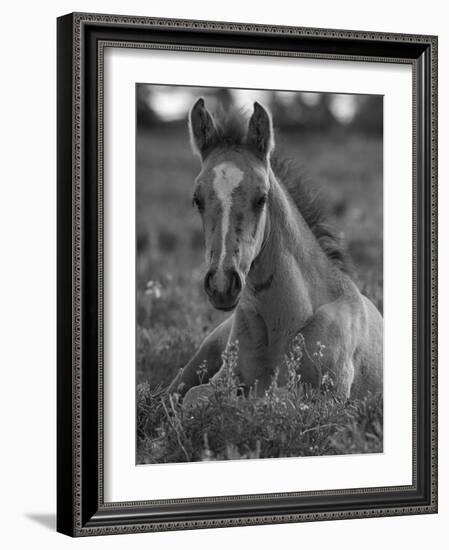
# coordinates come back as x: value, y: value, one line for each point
x: 173, y: 315
x: 291, y: 421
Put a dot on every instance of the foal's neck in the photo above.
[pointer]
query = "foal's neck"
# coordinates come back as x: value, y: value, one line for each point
x: 292, y: 276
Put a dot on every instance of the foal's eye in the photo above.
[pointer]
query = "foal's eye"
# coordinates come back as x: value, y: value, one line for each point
x: 260, y: 202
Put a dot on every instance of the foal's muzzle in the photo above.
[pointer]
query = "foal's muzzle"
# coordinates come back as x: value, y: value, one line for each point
x: 223, y: 288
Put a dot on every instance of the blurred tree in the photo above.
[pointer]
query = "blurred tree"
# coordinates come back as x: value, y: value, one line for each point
x: 146, y: 116
x: 290, y: 110
x: 369, y: 115
x: 307, y: 111
x: 223, y: 97
x: 320, y: 115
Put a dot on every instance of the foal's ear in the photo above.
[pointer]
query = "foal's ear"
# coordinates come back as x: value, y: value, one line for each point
x: 202, y: 128
x: 260, y: 132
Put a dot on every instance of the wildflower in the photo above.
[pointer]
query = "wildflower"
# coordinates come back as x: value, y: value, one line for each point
x: 230, y: 358
x: 201, y: 371
x: 153, y: 289
x: 327, y: 381
x: 319, y: 352
x: 292, y: 360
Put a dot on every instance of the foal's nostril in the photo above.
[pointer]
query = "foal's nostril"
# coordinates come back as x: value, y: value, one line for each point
x: 225, y: 291
x: 207, y: 282
x: 235, y: 284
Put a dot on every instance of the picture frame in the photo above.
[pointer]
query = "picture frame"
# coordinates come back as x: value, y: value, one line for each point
x: 81, y: 506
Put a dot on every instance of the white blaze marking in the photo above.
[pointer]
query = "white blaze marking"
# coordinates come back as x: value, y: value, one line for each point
x: 227, y: 178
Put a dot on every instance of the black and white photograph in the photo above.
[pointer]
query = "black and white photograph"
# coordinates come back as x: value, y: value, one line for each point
x: 259, y: 274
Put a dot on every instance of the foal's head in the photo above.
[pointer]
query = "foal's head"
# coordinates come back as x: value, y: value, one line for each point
x: 231, y: 193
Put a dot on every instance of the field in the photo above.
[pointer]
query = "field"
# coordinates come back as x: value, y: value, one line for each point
x: 173, y: 315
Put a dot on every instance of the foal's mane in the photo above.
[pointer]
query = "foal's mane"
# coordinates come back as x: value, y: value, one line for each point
x: 231, y: 130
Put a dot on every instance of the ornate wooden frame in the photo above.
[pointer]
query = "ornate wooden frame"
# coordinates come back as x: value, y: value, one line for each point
x: 81, y: 41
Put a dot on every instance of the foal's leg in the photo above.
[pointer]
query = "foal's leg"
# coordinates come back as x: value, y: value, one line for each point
x: 208, y: 354
x: 329, y: 344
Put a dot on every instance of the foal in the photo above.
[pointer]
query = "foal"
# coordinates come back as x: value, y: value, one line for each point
x: 272, y: 262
